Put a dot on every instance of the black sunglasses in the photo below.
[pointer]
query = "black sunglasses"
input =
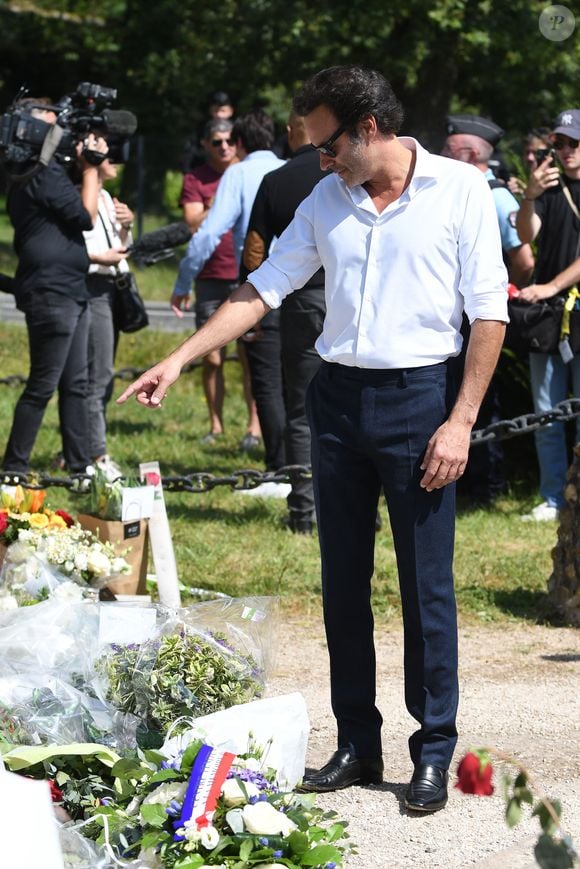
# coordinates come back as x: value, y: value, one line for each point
x: 326, y: 147
x: 566, y: 141
x: 217, y: 142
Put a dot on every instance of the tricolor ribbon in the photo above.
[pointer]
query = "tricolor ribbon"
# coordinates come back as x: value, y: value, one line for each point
x: 208, y: 774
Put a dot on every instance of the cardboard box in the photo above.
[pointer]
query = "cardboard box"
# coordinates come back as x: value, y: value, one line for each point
x: 131, y: 536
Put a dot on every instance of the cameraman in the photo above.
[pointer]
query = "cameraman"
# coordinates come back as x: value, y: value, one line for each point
x: 49, y: 215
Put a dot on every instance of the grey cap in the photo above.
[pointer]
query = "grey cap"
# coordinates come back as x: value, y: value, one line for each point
x: 568, y: 123
x: 473, y: 125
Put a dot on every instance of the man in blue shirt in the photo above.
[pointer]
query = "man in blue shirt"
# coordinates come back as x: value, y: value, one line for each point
x: 254, y: 136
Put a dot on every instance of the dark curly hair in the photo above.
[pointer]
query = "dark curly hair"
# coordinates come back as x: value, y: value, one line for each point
x: 352, y: 93
x: 255, y: 130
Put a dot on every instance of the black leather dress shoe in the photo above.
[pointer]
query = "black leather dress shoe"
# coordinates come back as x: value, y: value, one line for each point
x: 343, y: 770
x: 427, y: 791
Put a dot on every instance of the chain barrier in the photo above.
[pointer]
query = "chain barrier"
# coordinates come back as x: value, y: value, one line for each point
x: 248, y: 478
x: 129, y: 373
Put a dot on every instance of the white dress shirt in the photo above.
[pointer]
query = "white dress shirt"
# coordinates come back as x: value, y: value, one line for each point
x: 396, y: 282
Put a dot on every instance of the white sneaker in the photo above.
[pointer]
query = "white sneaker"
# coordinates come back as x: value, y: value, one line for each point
x: 542, y: 513
x: 109, y: 468
x: 268, y: 490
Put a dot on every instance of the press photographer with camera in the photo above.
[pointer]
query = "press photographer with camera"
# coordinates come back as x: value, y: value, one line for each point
x: 550, y: 211
x: 49, y: 214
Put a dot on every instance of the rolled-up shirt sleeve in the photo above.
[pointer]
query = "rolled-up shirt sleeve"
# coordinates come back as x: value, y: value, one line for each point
x: 293, y: 261
x: 483, y: 281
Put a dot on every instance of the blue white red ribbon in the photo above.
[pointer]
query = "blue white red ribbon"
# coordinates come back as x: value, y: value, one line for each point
x: 208, y: 774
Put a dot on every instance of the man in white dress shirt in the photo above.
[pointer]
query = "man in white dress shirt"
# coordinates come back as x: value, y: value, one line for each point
x: 408, y: 241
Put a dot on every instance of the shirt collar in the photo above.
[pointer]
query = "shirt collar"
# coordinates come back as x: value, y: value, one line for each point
x: 426, y: 169
x: 259, y: 155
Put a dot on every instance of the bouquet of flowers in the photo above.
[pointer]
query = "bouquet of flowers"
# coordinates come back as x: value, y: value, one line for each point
x: 181, y: 672
x: 22, y: 509
x: 53, y: 560
x: 210, y: 808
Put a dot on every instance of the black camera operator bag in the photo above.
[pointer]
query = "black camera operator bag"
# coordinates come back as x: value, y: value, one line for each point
x: 534, y: 327
x: 129, y: 312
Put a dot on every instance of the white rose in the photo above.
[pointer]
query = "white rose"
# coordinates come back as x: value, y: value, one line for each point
x: 98, y: 563
x: 209, y: 837
x: 165, y: 793
x: 234, y: 795
x: 263, y: 819
x: 119, y: 565
x: 81, y: 561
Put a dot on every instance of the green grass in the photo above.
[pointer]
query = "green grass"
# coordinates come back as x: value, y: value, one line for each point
x: 235, y: 544
x: 155, y: 282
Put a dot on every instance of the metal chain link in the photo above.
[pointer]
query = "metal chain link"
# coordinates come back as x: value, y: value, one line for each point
x: 128, y: 373
x: 248, y: 478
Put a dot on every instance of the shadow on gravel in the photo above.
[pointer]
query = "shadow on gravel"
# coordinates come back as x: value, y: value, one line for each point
x: 562, y: 658
x: 523, y: 603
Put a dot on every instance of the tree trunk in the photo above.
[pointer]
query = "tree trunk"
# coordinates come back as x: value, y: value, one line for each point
x: 564, y: 583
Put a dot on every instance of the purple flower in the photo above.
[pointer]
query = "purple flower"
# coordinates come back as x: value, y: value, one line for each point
x: 330, y: 865
x: 263, y: 841
x: 279, y: 854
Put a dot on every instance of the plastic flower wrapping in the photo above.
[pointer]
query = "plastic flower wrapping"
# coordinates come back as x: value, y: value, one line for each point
x: 122, y: 674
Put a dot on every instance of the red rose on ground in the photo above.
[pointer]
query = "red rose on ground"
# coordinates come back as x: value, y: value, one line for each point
x: 55, y: 791
x: 66, y: 516
x: 474, y: 775
x: 152, y: 478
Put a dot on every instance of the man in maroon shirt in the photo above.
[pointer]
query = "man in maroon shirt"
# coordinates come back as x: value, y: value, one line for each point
x: 219, y: 276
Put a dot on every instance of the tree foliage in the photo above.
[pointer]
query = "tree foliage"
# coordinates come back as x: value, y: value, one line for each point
x: 166, y: 56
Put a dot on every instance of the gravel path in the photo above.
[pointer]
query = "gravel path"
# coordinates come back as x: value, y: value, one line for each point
x: 519, y: 692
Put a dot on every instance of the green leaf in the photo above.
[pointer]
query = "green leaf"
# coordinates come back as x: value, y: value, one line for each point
x: 29, y: 755
x: 546, y: 821
x: 154, y: 815
x: 552, y: 855
x: 321, y: 854
x: 513, y: 812
x: 246, y: 849
x: 129, y: 768
x: 298, y: 842
x: 190, y: 754
x: 164, y: 775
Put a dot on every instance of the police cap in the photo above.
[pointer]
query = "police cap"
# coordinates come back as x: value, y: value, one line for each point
x: 473, y: 125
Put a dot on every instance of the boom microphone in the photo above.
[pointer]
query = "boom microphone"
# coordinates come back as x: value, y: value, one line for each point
x: 157, y: 245
x: 119, y: 122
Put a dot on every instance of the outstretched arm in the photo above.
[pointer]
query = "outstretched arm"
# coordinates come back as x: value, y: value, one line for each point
x: 239, y: 313
x: 447, y: 451
x: 562, y: 281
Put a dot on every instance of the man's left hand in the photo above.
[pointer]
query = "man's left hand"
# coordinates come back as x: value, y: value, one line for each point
x: 446, y: 455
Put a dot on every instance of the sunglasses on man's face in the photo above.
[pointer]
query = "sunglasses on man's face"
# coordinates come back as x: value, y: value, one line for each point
x: 215, y: 143
x: 326, y: 147
x: 565, y: 142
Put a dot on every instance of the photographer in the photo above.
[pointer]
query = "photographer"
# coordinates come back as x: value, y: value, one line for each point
x: 550, y: 212
x: 49, y: 215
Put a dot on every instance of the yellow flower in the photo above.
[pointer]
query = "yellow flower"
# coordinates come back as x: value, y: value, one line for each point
x: 55, y: 521
x: 38, y: 520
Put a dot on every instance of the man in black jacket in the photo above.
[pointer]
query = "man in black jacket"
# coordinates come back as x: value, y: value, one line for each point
x: 49, y: 215
x: 301, y: 314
